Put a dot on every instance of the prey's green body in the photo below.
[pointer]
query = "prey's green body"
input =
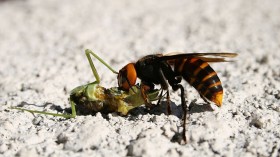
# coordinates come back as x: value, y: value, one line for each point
x: 93, y: 98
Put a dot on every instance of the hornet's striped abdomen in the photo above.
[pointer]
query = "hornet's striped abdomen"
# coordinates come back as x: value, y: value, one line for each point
x: 202, y: 77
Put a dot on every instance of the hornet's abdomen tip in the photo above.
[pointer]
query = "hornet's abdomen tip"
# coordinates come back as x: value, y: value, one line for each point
x: 218, y: 98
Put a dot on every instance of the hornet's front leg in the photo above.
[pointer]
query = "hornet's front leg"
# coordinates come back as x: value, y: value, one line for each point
x: 144, y: 88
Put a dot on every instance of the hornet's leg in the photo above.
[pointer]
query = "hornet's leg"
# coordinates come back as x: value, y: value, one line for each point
x: 184, y: 108
x: 164, y: 86
x: 160, y: 96
x: 168, y: 102
x: 144, y: 88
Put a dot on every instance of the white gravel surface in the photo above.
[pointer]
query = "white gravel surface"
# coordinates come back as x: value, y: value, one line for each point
x: 42, y: 58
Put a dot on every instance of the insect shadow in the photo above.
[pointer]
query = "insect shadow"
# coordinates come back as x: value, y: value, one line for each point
x: 176, y: 110
x: 199, y: 107
x: 159, y: 109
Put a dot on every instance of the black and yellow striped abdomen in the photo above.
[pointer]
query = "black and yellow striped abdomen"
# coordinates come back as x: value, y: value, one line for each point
x: 202, y: 77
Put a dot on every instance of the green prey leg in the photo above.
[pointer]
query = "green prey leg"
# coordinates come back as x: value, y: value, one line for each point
x: 73, y: 115
x: 94, y: 71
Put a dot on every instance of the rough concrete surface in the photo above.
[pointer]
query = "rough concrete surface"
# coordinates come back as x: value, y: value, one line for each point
x: 42, y: 58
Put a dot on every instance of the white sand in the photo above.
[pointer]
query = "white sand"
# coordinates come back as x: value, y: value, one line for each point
x: 42, y: 58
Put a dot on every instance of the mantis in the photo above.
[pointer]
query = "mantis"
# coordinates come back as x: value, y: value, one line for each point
x: 92, y: 97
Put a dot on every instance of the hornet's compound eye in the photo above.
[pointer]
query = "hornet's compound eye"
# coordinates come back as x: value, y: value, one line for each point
x: 127, y: 77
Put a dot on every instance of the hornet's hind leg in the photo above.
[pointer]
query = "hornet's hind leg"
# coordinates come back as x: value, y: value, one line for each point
x: 184, y: 108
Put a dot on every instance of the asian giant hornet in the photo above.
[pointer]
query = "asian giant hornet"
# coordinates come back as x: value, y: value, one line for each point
x: 193, y: 67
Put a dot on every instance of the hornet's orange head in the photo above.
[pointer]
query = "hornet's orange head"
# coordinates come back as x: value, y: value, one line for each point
x: 127, y: 76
